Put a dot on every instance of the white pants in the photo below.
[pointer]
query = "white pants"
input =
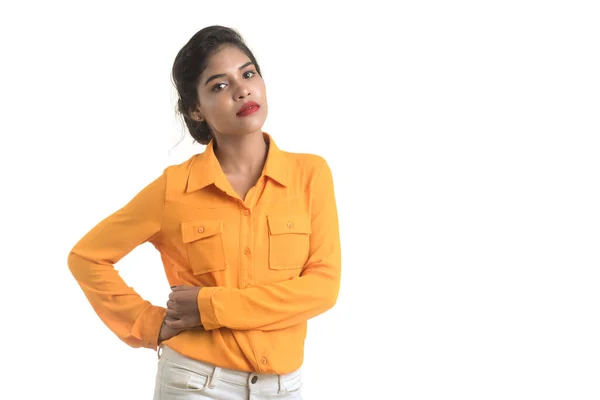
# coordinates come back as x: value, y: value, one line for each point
x: 182, y: 378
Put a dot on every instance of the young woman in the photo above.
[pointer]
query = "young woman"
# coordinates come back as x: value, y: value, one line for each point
x: 248, y: 235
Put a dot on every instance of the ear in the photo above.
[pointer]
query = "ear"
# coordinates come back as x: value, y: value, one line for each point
x: 196, y: 115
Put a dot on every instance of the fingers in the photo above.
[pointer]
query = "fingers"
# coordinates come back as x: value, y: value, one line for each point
x: 173, y: 323
x: 183, y: 306
x: 177, y: 324
x: 174, y: 295
x: 172, y: 314
x: 168, y: 317
x: 180, y: 288
x: 184, y: 323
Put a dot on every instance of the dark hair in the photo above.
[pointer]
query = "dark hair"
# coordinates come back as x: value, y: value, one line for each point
x: 189, y: 64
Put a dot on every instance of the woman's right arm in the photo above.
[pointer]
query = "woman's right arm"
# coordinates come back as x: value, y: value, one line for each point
x: 134, y: 320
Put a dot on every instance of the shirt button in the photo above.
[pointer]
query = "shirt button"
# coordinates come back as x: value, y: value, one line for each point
x: 254, y: 379
x: 201, y: 229
x: 246, y: 212
x: 290, y: 225
x: 246, y: 251
x: 263, y: 360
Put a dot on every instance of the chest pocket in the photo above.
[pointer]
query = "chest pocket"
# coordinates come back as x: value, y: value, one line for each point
x: 205, y: 248
x: 289, y: 241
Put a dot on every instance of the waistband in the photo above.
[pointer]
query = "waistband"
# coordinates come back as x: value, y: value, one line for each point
x: 241, y: 378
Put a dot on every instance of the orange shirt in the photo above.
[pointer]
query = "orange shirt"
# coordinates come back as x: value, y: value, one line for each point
x: 266, y: 263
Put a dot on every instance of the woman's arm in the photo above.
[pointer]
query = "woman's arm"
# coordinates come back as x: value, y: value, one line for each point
x: 133, y: 319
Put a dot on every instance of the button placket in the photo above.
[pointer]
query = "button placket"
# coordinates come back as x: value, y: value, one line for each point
x: 246, y: 213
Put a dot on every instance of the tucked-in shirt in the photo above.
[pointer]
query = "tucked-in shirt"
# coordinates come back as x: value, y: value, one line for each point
x: 266, y: 263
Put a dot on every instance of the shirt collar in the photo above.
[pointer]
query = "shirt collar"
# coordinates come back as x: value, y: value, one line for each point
x: 205, y: 169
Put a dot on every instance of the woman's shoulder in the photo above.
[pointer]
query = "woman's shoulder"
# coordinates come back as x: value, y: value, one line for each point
x: 176, y: 175
x: 305, y: 160
x: 182, y: 166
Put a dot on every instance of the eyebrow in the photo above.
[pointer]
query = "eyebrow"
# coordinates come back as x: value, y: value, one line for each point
x: 222, y: 75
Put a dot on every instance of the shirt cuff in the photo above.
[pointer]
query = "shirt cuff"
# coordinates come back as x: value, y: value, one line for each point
x: 147, y: 326
x: 208, y: 317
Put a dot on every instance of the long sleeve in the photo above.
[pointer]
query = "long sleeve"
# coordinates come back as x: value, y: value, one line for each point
x: 134, y: 320
x: 279, y: 305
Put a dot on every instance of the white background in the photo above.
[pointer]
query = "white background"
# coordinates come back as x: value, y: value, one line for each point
x: 464, y: 141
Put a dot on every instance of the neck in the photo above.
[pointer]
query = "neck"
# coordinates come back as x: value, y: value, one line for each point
x: 241, y: 154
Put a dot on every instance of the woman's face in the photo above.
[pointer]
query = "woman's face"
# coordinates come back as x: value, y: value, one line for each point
x: 228, y: 83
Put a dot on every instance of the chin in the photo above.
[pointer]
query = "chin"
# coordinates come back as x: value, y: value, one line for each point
x: 250, y: 126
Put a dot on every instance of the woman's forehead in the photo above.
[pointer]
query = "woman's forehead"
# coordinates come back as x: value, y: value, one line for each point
x: 226, y: 58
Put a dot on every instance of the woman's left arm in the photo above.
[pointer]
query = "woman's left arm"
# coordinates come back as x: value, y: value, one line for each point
x: 279, y: 305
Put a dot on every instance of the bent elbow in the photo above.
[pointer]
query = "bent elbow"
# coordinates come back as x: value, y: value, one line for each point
x: 331, y: 297
x: 76, y: 263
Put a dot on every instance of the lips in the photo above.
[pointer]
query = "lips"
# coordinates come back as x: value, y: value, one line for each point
x: 248, y: 108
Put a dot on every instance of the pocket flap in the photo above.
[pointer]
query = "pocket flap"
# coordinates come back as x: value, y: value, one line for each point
x: 282, y: 224
x: 196, y: 230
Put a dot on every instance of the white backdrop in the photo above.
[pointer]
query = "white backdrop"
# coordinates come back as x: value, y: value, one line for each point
x: 464, y: 141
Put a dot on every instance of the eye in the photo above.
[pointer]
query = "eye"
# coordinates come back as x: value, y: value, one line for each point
x: 249, y: 72
x: 217, y: 87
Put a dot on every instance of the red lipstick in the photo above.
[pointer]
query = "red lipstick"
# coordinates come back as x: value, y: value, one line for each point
x: 248, y: 108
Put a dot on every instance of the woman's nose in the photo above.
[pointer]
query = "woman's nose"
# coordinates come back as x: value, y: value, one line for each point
x: 242, y: 92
